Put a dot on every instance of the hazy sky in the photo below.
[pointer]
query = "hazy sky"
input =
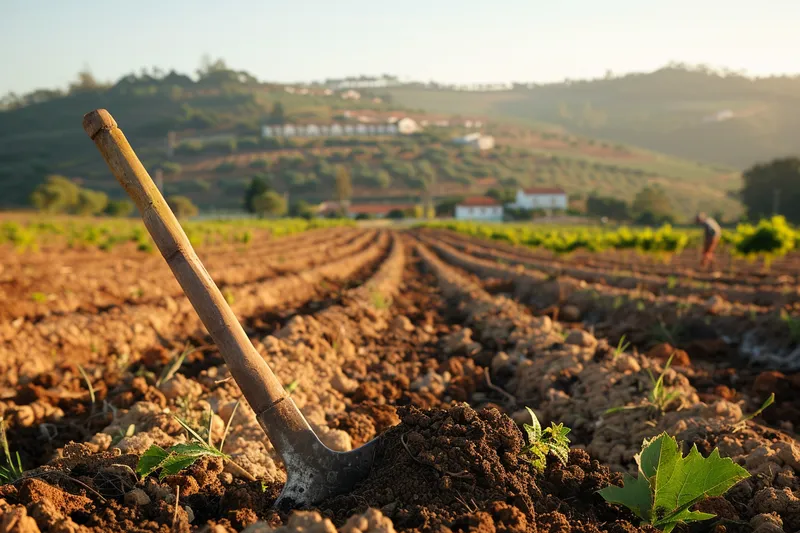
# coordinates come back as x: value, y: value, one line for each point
x: 43, y: 43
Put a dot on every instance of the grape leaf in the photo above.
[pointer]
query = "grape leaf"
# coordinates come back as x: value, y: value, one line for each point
x: 668, y: 484
x: 634, y: 494
x: 174, y: 459
x: 175, y: 463
x: 150, y: 460
x: 195, y: 449
x: 683, y: 481
x: 534, y: 429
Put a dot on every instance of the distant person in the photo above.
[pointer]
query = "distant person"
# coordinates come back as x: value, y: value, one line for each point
x: 712, y: 233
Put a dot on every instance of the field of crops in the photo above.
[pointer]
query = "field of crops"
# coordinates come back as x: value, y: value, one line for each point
x: 767, y: 240
x: 119, y: 413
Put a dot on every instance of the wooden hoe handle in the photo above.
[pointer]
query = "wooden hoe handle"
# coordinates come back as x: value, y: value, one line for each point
x: 259, y: 385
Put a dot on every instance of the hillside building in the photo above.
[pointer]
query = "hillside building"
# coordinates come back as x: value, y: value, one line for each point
x: 479, y: 208
x: 540, y: 198
x: 407, y: 126
x: 476, y: 140
x: 403, y: 126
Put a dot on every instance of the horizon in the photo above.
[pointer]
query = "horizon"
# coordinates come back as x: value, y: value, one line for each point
x: 278, y: 45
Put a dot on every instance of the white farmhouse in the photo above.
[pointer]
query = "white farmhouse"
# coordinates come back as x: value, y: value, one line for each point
x: 479, y: 208
x: 407, y: 126
x: 476, y: 140
x: 541, y: 198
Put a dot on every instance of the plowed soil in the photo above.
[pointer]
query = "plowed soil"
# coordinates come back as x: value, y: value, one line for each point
x: 418, y: 339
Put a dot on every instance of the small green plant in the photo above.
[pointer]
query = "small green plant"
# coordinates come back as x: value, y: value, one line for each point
x: 11, y: 471
x: 379, y: 301
x: 181, y: 456
x: 170, y: 370
x: 669, y: 484
x: 291, y: 387
x: 622, y: 347
x: 672, y: 282
x: 88, y: 383
x: 131, y: 431
x: 769, y: 401
x: 553, y: 440
x: 39, y: 297
x: 660, y: 396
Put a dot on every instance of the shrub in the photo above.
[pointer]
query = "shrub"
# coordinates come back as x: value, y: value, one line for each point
x: 225, y: 166
x: 258, y: 163
x: 120, y: 208
x: 269, y: 203
x: 182, y: 206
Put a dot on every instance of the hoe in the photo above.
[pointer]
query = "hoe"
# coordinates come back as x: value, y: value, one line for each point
x: 314, y: 471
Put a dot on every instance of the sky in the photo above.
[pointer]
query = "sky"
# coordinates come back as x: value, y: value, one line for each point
x: 44, y: 43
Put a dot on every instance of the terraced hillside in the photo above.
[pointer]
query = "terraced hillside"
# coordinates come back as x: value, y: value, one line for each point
x: 217, y: 119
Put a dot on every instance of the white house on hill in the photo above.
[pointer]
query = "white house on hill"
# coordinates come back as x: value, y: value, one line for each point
x: 403, y: 126
x: 407, y: 126
x: 541, y: 198
x: 479, y: 208
x: 476, y: 140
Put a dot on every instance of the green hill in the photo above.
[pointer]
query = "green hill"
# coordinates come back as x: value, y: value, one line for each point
x: 669, y: 110
x: 217, y: 120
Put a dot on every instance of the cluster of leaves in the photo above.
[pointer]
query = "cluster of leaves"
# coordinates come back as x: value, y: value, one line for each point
x: 181, y: 456
x: 669, y: 484
x: 660, y: 396
x: 772, y: 237
x: 541, y: 442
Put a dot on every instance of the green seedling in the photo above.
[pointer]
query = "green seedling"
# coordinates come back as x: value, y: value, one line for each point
x: 669, y: 484
x: 178, y: 457
x: 769, y: 401
x: 660, y: 396
x: 672, y: 282
x: 39, y: 297
x: 541, y: 442
x: 11, y: 471
x: 169, y: 371
x: 622, y: 347
x: 131, y: 431
x: 88, y: 383
x: 291, y: 387
x: 379, y: 301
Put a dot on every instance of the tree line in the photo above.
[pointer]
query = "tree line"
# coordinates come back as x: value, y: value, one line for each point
x: 59, y: 195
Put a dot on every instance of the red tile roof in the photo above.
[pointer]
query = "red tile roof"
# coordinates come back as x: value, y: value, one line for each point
x: 544, y: 190
x: 473, y: 201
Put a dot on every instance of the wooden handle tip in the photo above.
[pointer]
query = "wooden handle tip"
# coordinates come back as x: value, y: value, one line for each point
x: 97, y: 120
